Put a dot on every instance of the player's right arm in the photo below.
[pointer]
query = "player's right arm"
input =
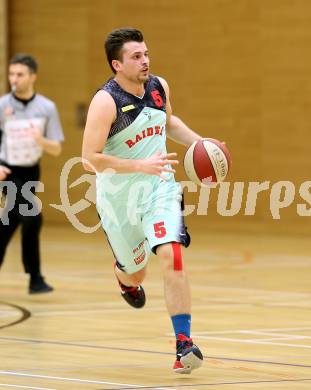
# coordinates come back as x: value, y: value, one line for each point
x: 101, y: 115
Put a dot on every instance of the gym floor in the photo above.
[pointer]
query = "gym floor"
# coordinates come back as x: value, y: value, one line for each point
x: 251, y: 317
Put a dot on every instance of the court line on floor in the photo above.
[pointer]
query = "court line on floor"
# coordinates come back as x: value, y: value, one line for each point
x: 26, y: 387
x: 91, y: 346
x: 253, y: 341
x: 124, y: 310
x: 25, y: 314
x: 78, y: 380
x: 248, y: 291
x: 279, y: 334
x: 253, y: 330
x: 224, y: 383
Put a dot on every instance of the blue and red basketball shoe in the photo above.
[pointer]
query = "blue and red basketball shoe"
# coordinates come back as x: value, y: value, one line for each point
x: 188, y: 355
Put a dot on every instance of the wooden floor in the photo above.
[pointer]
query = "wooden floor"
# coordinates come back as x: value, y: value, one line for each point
x: 251, y: 317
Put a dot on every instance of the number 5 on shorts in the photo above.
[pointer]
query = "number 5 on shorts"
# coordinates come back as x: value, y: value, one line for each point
x: 159, y: 229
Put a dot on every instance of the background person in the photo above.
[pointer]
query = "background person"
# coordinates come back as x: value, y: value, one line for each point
x: 29, y: 126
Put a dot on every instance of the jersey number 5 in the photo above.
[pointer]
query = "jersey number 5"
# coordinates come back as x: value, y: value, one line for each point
x: 159, y: 229
x: 157, y: 98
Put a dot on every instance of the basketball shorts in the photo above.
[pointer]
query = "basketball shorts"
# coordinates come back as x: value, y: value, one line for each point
x: 135, y: 228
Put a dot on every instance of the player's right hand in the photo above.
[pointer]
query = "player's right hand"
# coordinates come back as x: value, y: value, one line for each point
x: 4, y: 172
x: 158, y: 164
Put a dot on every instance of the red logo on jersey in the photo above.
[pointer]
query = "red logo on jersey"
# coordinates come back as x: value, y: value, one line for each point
x: 139, y: 259
x: 156, y: 130
x: 8, y: 111
x: 157, y: 98
x: 138, y: 246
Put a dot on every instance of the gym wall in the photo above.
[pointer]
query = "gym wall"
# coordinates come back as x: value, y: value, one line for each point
x: 3, y: 46
x: 239, y: 71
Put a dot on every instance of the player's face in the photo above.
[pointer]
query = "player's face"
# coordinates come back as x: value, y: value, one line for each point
x: 21, y: 78
x: 135, y: 62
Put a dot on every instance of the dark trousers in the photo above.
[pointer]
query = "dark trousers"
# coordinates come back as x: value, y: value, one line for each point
x: 30, y: 224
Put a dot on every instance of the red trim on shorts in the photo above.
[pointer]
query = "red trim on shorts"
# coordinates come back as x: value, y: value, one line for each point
x: 178, y: 266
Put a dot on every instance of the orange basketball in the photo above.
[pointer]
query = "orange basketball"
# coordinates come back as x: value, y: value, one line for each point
x: 207, y: 161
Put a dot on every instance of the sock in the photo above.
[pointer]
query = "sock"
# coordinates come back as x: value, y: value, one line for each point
x: 181, y: 324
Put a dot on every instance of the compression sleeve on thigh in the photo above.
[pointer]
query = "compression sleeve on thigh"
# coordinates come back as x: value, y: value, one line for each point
x: 178, y: 266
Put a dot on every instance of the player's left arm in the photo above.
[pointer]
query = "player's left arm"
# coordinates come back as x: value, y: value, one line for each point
x: 51, y: 140
x: 176, y: 129
x: 49, y: 146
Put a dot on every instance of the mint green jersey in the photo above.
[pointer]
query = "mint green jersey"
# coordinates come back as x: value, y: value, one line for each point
x: 138, y: 211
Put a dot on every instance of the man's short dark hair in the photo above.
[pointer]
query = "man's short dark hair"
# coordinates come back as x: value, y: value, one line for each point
x: 27, y: 60
x: 115, y: 41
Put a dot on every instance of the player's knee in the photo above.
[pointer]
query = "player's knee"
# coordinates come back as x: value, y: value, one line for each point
x: 171, y: 256
x: 138, y: 277
x: 165, y: 253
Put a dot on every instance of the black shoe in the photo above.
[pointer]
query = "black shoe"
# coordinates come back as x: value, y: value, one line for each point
x: 39, y: 286
x: 134, y: 296
x: 188, y: 355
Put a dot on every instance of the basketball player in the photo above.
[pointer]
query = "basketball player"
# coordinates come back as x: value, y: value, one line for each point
x: 29, y: 126
x: 140, y: 205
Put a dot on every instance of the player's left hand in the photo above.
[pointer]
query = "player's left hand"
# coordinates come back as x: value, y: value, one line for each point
x: 36, y: 134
